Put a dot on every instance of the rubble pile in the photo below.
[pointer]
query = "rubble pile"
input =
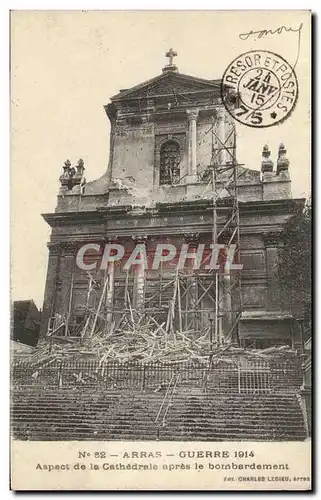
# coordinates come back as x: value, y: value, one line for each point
x: 145, y: 340
x: 140, y: 336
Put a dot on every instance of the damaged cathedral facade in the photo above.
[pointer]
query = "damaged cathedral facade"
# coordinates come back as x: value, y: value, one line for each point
x: 173, y: 178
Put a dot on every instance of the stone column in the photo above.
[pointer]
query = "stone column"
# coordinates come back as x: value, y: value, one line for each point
x: 192, y: 144
x: 225, y: 295
x: 110, y: 276
x: 139, y: 277
x: 221, y: 130
x: 193, y: 319
x: 271, y: 241
x: 112, y: 115
x: 67, y: 276
x: 49, y: 303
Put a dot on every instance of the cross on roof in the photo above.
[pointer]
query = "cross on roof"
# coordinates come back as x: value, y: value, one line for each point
x: 171, y: 54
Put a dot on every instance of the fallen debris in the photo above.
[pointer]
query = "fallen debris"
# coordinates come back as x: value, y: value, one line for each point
x: 146, y: 340
x: 141, y: 336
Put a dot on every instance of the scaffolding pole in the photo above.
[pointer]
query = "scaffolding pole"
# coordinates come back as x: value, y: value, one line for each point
x: 224, y: 178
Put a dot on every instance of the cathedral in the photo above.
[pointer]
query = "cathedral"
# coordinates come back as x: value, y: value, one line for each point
x: 193, y: 341
x: 168, y: 135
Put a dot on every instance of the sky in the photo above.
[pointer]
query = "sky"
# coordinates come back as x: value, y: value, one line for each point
x: 65, y: 65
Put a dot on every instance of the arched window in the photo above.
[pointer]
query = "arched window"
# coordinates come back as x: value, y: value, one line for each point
x: 169, y: 163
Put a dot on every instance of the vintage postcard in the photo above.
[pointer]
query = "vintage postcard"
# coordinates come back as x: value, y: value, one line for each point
x: 161, y: 248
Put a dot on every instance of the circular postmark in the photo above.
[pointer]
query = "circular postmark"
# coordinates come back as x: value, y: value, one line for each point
x: 259, y: 88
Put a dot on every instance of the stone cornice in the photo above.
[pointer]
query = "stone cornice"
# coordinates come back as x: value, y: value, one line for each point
x: 102, y: 215
x: 66, y: 218
x: 273, y: 206
x: 116, y: 234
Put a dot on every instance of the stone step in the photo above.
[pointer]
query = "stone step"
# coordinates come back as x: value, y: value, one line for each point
x: 148, y: 422
x: 142, y: 397
x: 190, y: 419
x: 186, y: 418
x: 59, y: 414
x: 170, y: 417
x: 110, y: 430
x: 177, y: 410
x: 152, y: 437
x: 199, y: 403
x: 119, y: 391
x: 253, y: 409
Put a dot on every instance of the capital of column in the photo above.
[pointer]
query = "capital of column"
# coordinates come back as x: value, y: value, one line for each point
x: 68, y: 247
x: 192, y: 114
x: 271, y: 239
x: 54, y: 248
x: 59, y: 247
x: 220, y: 113
x: 140, y: 239
x: 225, y: 236
x: 111, y: 239
x: 192, y: 238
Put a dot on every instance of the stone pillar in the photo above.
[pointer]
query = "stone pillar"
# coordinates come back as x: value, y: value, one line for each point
x: 225, y: 295
x: 110, y: 276
x: 139, y: 277
x: 48, y: 309
x: 193, y: 318
x: 221, y: 130
x: 112, y: 115
x: 192, y: 144
x: 67, y: 276
x: 271, y: 241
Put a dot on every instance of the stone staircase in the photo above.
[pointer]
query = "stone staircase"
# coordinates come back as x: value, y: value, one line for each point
x: 85, y: 414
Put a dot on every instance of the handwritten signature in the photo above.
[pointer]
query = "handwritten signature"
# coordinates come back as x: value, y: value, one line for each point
x: 278, y: 31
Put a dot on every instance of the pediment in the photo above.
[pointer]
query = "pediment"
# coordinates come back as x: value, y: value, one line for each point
x: 168, y: 84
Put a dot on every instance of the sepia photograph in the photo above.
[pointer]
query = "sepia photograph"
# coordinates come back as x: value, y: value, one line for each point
x: 160, y: 249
